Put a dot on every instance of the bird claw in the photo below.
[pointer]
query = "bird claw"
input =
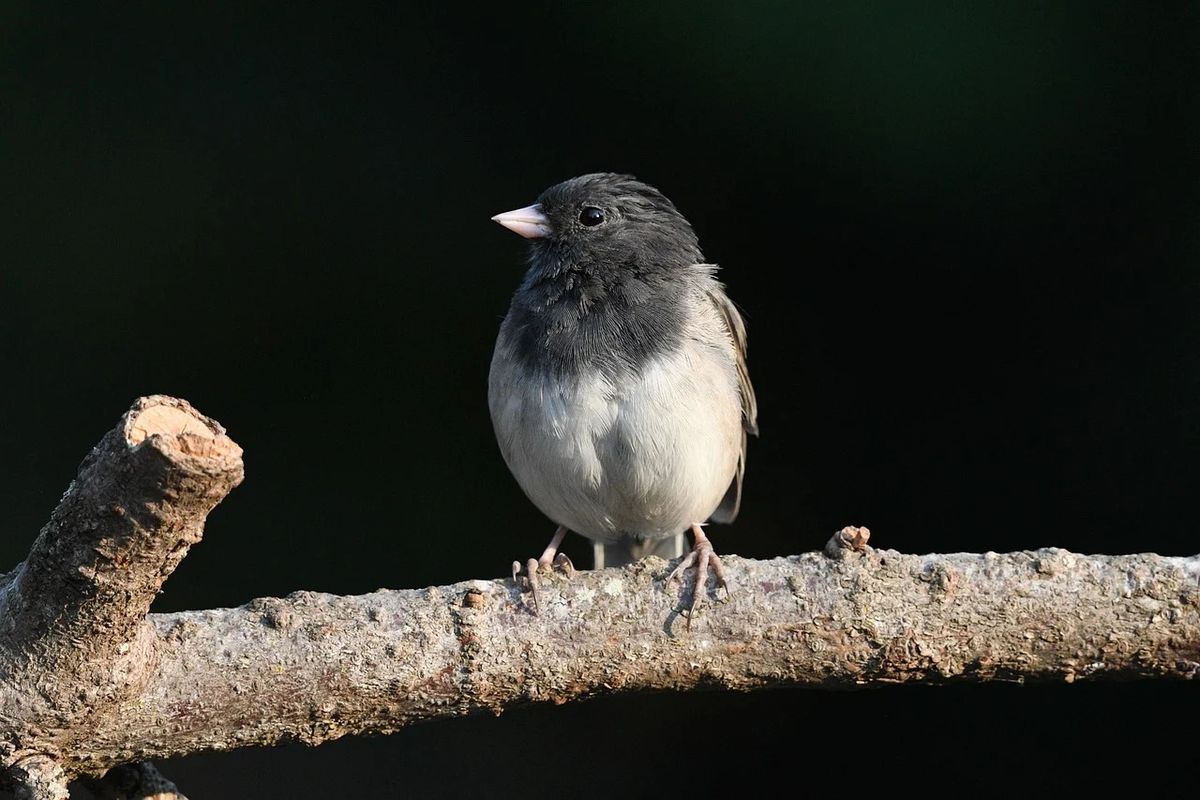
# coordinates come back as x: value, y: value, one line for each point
x: 563, y: 561
x: 702, y: 556
x: 529, y: 578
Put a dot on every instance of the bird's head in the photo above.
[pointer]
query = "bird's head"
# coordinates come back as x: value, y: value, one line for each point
x: 604, y: 222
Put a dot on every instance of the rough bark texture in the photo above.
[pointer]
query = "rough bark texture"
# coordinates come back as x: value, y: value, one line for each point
x: 313, y: 667
x: 75, y: 642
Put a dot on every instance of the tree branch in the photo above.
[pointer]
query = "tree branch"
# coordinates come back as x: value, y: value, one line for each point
x: 77, y: 606
x: 75, y: 641
x: 313, y: 667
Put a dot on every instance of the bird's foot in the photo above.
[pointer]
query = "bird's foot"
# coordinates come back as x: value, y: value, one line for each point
x: 550, y: 559
x: 527, y: 576
x: 702, y: 556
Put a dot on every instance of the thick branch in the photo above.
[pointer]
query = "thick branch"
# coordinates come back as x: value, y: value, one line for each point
x: 314, y: 667
x: 88, y: 683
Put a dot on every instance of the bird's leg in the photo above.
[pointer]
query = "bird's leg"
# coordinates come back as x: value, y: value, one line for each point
x: 550, y: 559
x: 702, y: 556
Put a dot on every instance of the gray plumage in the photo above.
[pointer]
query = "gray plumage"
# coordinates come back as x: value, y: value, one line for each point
x: 618, y: 387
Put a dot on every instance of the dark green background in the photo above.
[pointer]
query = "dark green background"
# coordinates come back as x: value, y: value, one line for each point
x: 965, y: 239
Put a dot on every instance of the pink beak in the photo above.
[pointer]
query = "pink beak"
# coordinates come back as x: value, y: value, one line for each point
x: 529, y: 222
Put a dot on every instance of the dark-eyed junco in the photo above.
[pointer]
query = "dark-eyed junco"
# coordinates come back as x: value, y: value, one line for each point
x: 618, y: 388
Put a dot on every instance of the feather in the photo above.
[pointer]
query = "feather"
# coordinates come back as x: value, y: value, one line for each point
x: 727, y: 511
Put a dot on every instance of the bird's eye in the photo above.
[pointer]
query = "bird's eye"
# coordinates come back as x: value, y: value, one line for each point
x: 591, y: 216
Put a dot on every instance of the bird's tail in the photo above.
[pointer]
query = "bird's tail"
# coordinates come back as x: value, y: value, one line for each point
x: 626, y: 551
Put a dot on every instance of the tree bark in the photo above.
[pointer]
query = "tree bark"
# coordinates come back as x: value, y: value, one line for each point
x: 89, y: 681
x: 75, y: 640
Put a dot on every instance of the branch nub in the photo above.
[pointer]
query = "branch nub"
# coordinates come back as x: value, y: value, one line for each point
x: 850, y: 539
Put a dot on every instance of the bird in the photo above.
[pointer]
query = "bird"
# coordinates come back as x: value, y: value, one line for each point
x: 618, y: 388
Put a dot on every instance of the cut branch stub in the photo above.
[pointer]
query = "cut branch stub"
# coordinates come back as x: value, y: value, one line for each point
x: 73, y: 627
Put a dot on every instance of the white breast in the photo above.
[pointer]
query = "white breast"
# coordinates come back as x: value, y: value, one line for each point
x: 643, y: 454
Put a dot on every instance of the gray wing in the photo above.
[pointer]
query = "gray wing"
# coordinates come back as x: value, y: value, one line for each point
x: 728, y: 510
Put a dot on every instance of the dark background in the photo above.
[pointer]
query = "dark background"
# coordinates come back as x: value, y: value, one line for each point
x: 965, y: 240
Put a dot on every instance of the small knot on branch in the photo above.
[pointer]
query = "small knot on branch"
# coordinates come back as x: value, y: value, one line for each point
x: 850, y: 539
